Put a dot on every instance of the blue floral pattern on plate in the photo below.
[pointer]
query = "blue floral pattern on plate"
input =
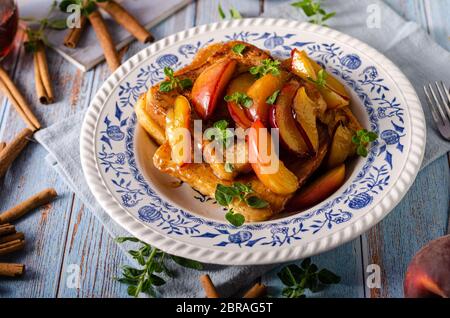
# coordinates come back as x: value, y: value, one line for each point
x: 118, y: 132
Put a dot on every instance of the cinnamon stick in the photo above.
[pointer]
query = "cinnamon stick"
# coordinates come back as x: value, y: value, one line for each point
x: 42, y: 76
x: 208, y: 286
x: 2, y: 145
x: 73, y: 35
x: 106, y: 42
x: 126, y: 20
x: 258, y: 290
x: 31, y: 203
x: 13, y: 149
x: 12, y: 237
x: 11, y: 270
x: 7, y: 229
x: 17, y: 100
x: 11, y: 247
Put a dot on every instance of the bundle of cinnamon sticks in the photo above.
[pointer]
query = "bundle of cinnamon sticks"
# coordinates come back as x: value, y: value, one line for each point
x: 256, y: 291
x: 11, y: 240
x: 122, y: 17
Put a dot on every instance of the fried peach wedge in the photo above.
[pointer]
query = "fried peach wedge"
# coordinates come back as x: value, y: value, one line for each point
x: 149, y: 125
x: 281, y: 117
x: 334, y: 92
x: 318, y: 190
x: 240, y: 84
x: 210, y: 86
x: 262, y: 89
x: 269, y: 169
x: 341, y: 147
x: 178, y: 122
x: 305, y: 114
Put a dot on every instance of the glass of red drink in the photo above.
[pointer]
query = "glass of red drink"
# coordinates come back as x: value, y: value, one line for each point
x: 9, y: 17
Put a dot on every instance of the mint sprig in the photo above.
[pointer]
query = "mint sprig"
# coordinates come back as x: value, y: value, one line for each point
x: 220, y: 133
x: 362, y: 138
x: 239, y: 48
x: 313, y: 9
x: 321, y: 80
x: 225, y: 195
x: 267, y: 66
x: 239, y: 98
x: 298, y: 279
x: 173, y: 82
x: 153, y: 268
x: 272, y: 98
x: 234, y: 14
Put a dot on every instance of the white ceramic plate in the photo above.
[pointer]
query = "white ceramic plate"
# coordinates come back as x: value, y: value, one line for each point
x: 116, y: 153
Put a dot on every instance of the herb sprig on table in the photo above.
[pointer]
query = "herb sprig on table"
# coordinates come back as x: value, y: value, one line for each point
x: 298, y: 279
x: 234, y: 14
x: 362, y: 140
x: 153, y: 268
x: 225, y: 195
x: 173, y: 82
x: 313, y: 9
x: 37, y: 35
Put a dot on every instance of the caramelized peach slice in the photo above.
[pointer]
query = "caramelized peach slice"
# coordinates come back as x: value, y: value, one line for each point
x: 144, y: 119
x: 305, y: 114
x: 240, y: 84
x: 318, y: 190
x: 334, y: 92
x: 281, y: 117
x: 262, y: 89
x: 210, y: 86
x: 269, y: 169
x: 177, y: 130
x: 341, y: 146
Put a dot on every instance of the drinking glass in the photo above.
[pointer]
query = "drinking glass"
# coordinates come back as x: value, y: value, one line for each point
x: 9, y: 17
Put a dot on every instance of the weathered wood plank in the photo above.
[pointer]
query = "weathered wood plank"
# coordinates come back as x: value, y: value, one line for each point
x: 436, y: 13
x: 88, y: 244
x: 45, y: 228
x: 392, y: 243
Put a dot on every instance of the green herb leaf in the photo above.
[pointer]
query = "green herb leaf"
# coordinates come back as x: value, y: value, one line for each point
x: 185, y: 83
x: 267, y: 66
x: 166, y: 86
x: 235, y: 219
x: 58, y: 24
x: 362, y: 138
x: 66, y: 3
x: 241, y: 99
x: 173, y: 82
x: 151, y: 260
x: 321, y: 80
x: 313, y: 9
x: 221, y: 12
x: 239, y: 48
x: 257, y: 203
x: 297, y: 279
x: 272, y: 98
x: 235, y: 14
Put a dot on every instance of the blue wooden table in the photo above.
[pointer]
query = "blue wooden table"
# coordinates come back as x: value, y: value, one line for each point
x: 63, y: 233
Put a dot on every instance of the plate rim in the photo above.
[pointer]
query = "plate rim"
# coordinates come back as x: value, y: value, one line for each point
x: 251, y: 257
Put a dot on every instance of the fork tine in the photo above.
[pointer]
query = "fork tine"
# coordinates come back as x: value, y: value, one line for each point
x: 444, y: 97
x: 437, y: 103
x: 435, y: 115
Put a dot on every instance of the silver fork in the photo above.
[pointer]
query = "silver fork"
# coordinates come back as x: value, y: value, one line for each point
x: 439, y: 102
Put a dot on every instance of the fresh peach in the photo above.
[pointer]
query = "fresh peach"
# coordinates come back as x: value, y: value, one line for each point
x: 279, y: 180
x: 428, y: 273
x: 305, y: 114
x: 281, y: 117
x: 262, y: 89
x: 210, y: 85
x: 240, y: 84
x: 318, y: 190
